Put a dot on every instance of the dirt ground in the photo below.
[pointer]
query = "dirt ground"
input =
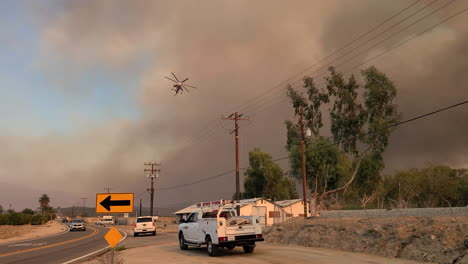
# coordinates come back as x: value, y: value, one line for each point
x: 264, y: 253
x: 436, y: 239
x: 10, y: 233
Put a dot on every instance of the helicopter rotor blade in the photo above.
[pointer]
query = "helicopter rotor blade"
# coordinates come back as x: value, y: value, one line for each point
x: 186, y: 89
x: 184, y: 80
x: 190, y: 86
x: 170, y: 79
x: 175, y: 77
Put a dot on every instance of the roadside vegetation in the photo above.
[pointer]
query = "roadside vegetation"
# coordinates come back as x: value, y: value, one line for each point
x: 265, y: 178
x: 28, y: 216
x: 344, y: 162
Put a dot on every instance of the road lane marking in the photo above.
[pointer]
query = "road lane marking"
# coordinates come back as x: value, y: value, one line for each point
x: 95, y: 232
x: 27, y: 244
x: 92, y: 253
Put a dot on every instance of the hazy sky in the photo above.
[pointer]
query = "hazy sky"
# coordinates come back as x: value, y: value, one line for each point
x: 84, y: 101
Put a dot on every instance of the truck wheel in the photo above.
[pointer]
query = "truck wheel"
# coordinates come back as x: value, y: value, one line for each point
x: 212, y: 249
x: 249, y: 249
x: 135, y: 234
x: 182, y: 244
x: 154, y: 233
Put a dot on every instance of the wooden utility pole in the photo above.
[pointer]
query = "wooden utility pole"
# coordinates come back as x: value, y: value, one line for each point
x: 84, y: 206
x: 140, y: 207
x: 236, y: 117
x: 152, y: 173
x: 303, y: 165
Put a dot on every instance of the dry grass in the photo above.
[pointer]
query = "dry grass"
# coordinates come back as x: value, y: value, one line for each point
x: 9, y: 233
x: 106, y: 259
x: 437, y: 239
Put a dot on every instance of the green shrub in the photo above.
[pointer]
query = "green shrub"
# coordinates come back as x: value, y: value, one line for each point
x: 120, y: 248
x: 37, y: 220
x: 4, y: 219
x: 19, y: 219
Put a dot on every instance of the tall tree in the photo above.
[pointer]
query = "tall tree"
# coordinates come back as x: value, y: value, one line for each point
x: 265, y: 178
x: 44, y: 201
x: 358, y: 130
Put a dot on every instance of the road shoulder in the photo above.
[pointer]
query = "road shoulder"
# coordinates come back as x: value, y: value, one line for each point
x: 14, y: 234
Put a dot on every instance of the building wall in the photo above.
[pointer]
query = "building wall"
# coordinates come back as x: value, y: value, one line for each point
x: 269, y: 212
x: 296, y: 209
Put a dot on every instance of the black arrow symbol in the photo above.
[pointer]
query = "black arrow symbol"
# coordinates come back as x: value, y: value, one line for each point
x: 107, y: 203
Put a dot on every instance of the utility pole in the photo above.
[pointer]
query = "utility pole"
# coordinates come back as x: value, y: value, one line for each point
x: 140, y: 207
x: 236, y: 117
x: 303, y: 166
x: 84, y: 203
x: 152, y: 173
x: 108, y: 189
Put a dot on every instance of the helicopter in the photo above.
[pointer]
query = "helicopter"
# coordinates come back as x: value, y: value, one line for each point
x: 179, y: 86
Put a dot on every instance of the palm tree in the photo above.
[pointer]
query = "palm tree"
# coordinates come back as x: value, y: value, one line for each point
x: 44, y: 202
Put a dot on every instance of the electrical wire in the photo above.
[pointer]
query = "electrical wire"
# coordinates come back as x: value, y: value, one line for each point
x: 332, y: 144
x: 380, y: 54
x: 355, y: 48
x: 388, y: 50
x: 328, y: 56
x: 208, y: 130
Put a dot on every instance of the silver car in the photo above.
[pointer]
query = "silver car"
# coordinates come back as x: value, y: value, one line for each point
x: 77, y: 224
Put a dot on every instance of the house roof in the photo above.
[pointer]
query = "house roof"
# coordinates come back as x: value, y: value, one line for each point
x: 286, y: 203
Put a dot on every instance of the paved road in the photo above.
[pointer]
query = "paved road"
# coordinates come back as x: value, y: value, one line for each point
x: 146, y: 240
x: 55, y: 249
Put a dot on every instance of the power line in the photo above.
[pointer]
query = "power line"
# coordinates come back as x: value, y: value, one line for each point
x: 210, y: 130
x: 328, y: 56
x: 199, y: 181
x: 391, y: 36
x: 272, y: 99
x: 260, y: 107
x: 355, y: 48
x: 391, y: 126
x: 335, y: 143
x: 388, y: 29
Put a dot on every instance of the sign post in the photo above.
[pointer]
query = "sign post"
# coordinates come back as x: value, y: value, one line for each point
x: 113, y: 237
x: 114, y: 203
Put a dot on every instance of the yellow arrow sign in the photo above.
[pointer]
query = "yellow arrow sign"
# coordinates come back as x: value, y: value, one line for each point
x: 114, y: 203
x: 113, y: 237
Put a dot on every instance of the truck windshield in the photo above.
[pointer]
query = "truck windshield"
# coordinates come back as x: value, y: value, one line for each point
x: 144, y: 220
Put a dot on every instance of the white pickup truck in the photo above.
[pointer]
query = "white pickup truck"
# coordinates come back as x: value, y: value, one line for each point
x: 219, y: 227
